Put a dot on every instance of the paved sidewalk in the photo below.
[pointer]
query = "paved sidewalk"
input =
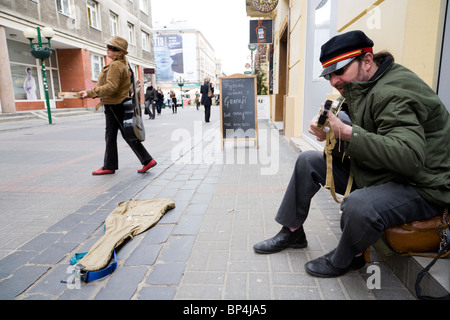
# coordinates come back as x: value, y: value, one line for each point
x: 225, y: 202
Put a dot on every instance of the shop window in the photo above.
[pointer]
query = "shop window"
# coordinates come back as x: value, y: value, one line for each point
x: 25, y: 82
x: 26, y: 73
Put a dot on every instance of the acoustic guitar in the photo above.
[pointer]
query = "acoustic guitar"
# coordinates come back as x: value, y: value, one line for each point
x: 133, y: 125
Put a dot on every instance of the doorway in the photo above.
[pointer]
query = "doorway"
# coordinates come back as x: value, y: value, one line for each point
x: 282, y: 76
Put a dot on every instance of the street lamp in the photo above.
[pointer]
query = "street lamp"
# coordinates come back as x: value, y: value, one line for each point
x: 40, y: 52
x: 181, y: 82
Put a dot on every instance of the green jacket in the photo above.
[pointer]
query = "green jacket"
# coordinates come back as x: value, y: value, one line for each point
x: 113, y: 83
x: 401, y: 132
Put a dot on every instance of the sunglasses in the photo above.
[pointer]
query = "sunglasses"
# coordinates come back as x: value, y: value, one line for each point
x: 112, y: 48
x: 338, y: 72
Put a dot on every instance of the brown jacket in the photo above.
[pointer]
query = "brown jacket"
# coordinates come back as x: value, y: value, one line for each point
x: 113, y: 83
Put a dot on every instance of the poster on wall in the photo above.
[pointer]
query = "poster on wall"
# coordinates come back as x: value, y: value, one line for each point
x: 25, y: 82
x: 175, y: 57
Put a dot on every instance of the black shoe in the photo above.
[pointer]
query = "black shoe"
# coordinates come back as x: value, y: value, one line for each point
x: 284, y: 239
x: 322, y: 267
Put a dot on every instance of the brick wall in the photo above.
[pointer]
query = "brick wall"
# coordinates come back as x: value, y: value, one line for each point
x: 75, y: 75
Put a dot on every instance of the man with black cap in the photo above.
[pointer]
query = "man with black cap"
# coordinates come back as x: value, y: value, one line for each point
x: 399, y: 151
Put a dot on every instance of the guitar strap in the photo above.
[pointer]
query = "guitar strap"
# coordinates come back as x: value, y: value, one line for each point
x: 330, y: 144
x: 329, y: 184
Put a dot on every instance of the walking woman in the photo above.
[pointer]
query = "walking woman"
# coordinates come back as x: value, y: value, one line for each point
x: 113, y: 87
x: 174, y: 101
x: 206, y: 99
x: 160, y: 100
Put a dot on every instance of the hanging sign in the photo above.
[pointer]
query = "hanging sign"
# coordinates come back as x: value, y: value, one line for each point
x: 261, y: 31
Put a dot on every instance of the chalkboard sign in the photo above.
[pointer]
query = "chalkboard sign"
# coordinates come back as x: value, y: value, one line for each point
x: 238, y: 111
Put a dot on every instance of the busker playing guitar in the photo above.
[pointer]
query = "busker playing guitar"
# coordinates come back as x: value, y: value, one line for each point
x: 113, y: 88
x: 398, y: 153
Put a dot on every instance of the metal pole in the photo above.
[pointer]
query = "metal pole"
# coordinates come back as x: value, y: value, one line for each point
x: 44, y: 78
x: 47, y: 100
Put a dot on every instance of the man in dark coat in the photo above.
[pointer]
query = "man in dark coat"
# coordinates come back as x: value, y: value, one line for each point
x: 206, y: 100
x: 150, y: 100
x: 398, y: 150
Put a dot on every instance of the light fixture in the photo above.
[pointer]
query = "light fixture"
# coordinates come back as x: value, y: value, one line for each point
x: 41, y: 50
x: 48, y: 32
x: 30, y: 33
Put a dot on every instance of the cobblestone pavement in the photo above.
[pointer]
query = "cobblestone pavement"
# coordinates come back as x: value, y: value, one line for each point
x: 226, y: 199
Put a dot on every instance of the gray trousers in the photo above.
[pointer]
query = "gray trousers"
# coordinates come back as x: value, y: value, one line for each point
x: 366, y: 212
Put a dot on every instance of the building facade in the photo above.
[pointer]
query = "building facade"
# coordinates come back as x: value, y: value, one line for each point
x: 182, y: 56
x: 412, y: 30
x: 82, y: 29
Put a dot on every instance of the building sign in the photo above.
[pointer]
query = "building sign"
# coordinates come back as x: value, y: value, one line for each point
x: 261, y: 31
x: 265, y: 6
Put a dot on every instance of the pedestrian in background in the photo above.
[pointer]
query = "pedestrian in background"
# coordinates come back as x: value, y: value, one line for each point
x: 113, y: 87
x: 159, y: 100
x: 197, y: 99
x: 150, y: 101
x: 173, y: 97
x: 207, y: 91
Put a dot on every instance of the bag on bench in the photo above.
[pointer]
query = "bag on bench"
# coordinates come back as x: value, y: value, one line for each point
x: 422, y: 238
x: 427, y: 238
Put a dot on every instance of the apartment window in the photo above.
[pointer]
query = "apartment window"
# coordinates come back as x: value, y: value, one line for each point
x: 113, y: 23
x: 131, y: 39
x: 144, y: 5
x: 63, y: 6
x: 92, y: 10
x: 145, y: 41
x: 96, y: 66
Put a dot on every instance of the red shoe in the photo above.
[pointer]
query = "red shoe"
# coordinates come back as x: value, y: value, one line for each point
x: 102, y: 171
x: 149, y: 165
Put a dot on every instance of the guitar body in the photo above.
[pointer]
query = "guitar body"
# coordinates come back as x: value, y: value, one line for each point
x: 138, y: 124
x: 133, y: 126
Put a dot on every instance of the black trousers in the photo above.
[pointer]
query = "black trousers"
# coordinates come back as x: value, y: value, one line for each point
x: 366, y: 212
x: 114, y: 115
x: 158, y: 106
x: 207, y: 113
x: 174, y: 105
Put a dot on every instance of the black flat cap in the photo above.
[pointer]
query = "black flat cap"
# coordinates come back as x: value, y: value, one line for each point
x: 340, y: 50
